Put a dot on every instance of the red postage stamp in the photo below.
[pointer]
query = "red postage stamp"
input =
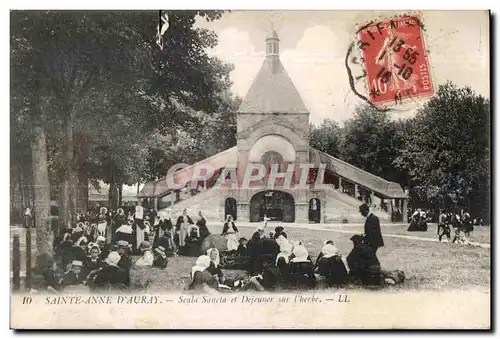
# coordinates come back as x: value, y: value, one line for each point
x: 396, y: 61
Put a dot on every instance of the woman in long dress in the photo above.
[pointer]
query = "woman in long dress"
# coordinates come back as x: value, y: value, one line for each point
x: 182, y: 226
x: 202, y: 226
x: 230, y: 231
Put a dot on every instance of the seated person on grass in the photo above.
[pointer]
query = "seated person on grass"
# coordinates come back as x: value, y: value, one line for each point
x: 201, y: 279
x: 331, y: 266
x: 363, y: 263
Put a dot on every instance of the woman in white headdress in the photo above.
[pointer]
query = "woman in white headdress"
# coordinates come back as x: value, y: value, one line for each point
x: 331, y: 266
x: 281, y: 240
x: 301, y: 268
x: 201, y: 279
x: 214, y: 268
x: 147, y: 258
x: 230, y: 231
x: 102, y: 221
x: 182, y: 226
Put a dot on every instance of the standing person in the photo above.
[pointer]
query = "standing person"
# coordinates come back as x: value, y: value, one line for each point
x: 139, y: 228
x: 202, y: 226
x: 164, y: 235
x: 266, y: 219
x: 373, y: 235
x: 103, y: 222
x: 182, y: 226
x: 28, y: 219
x: 230, y: 231
x: 444, y: 228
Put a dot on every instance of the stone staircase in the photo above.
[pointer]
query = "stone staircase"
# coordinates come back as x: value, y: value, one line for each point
x: 343, y: 208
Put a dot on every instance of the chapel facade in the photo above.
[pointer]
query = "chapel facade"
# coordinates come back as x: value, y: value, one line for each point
x: 273, y: 129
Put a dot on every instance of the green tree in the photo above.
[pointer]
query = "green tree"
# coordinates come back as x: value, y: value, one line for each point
x: 97, y: 85
x: 447, y: 152
x: 327, y: 137
x: 372, y: 142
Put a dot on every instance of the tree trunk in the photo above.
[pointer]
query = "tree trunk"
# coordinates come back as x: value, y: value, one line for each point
x: 113, y: 196
x: 67, y: 210
x: 83, y: 190
x: 120, y: 195
x: 63, y: 205
x: 44, y: 234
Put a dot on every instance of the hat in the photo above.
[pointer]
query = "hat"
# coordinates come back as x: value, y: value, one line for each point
x: 145, y: 246
x: 124, y: 229
x: 92, y: 246
x: 77, y: 229
x: 329, y: 251
x: 160, y: 249
x: 364, y: 207
x: 120, y: 210
x: 279, y: 229
x: 113, y: 258
x: 100, y: 238
x: 82, y: 240
x: 122, y: 243
x: 357, y: 238
x: 242, y: 239
x: 328, y: 242
x: 76, y: 263
x: 300, y: 253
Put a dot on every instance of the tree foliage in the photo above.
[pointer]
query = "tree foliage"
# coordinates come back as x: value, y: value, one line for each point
x: 447, y: 152
x: 327, y: 137
x: 106, y: 95
x: 372, y: 141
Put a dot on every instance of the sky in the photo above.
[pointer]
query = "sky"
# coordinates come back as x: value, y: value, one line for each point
x: 313, y: 46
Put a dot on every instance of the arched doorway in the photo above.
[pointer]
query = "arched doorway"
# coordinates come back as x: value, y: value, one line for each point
x: 277, y: 205
x: 230, y: 208
x: 315, y: 210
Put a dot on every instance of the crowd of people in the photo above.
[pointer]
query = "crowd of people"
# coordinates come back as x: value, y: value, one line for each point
x: 96, y: 250
x: 274, y: 262
x: 460, y: 224
x: 99, y: 251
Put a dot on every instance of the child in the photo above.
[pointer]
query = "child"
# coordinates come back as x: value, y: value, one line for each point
x: 74, y: 276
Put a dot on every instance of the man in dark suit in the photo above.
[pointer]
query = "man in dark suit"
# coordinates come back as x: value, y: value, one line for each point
x: 373, y: 235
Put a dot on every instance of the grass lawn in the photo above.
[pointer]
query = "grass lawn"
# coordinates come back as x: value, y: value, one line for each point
x: 427, y: 265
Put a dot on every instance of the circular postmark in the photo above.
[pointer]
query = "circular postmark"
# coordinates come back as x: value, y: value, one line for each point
x: 387, y: 64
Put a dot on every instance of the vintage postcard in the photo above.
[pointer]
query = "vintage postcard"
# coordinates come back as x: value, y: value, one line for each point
x: 183, y: 169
